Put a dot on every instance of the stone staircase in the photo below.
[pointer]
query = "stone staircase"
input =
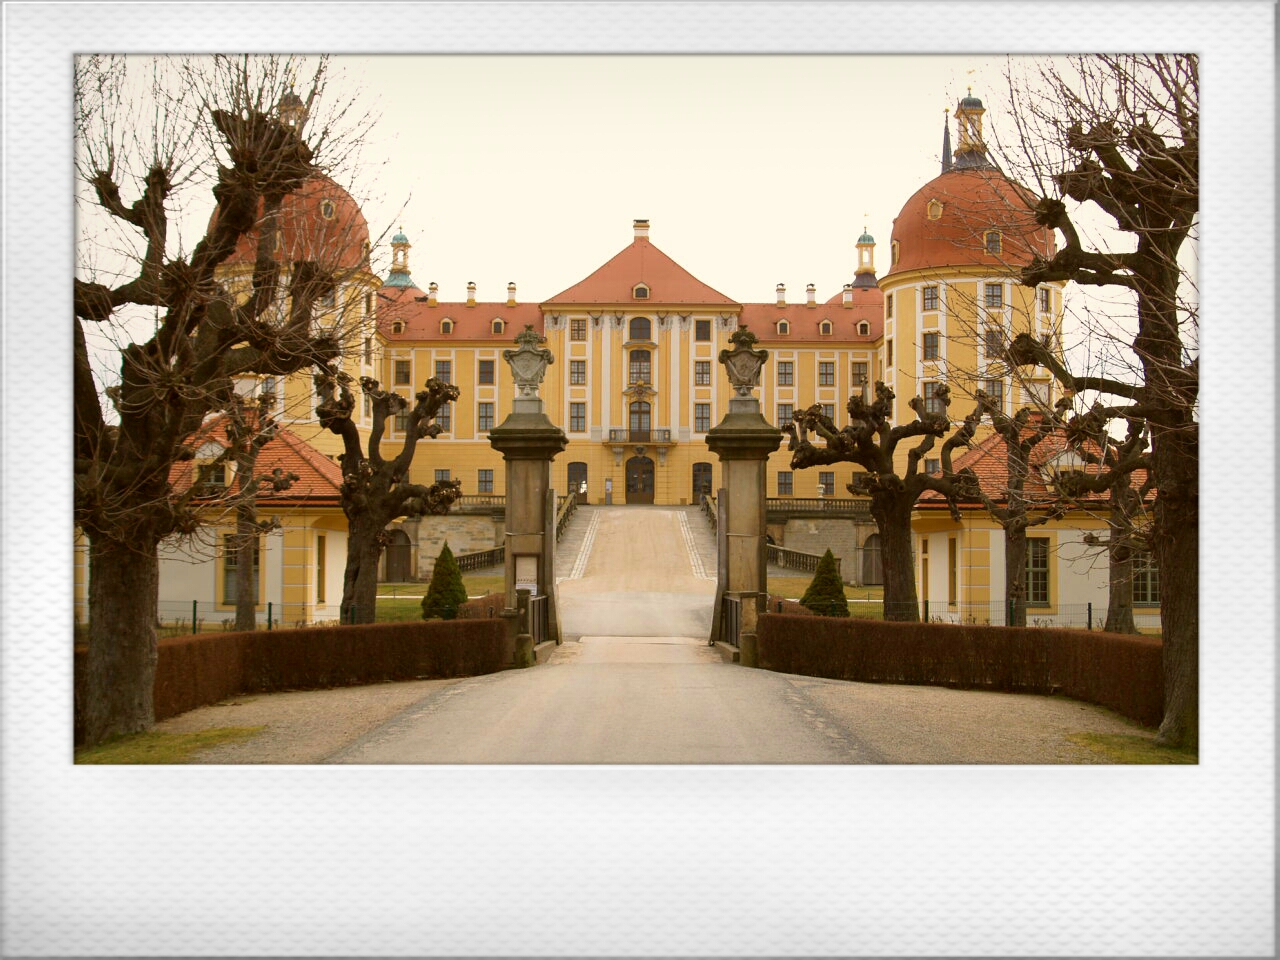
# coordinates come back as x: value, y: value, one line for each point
x: 569, y: 546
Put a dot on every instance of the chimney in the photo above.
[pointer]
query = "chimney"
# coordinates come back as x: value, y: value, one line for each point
x: 433, y: 292
x: 848, y: 296
x: 641, y: 228
x: 782, y: 294
x: 811, y: 293
x: 511, y: 294
x: 471, y: 293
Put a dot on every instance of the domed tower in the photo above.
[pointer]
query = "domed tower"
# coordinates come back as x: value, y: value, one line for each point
x: 398, y: 275
x: 952, y: 300
x: 865, y: 274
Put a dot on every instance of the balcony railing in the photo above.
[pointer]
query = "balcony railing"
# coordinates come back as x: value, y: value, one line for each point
x: 639, y: 436
x: 857, y: 509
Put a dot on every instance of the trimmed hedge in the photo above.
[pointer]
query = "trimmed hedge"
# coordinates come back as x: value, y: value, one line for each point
x: 1117, y: 671
x: 479, y: 608
x: 199, y: 670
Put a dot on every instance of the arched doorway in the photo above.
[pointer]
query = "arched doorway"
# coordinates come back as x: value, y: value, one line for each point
x: 399, y: 557
x: 639, y: 480
x: 701, y: 481
x: 578, y: 481
x: 872, y: 572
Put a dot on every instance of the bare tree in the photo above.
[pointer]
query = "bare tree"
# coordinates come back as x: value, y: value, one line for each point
x: 1118, y: 137
x: 181, y: 340
x: 869, y: 441
x: 376, y: 491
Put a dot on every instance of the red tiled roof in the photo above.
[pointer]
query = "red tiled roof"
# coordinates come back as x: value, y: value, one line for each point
x: 868, y: 305
x: 338, y: 241
x: 989, y: 460
x: 422, y: 320
x: 973, y: 202
x: 641, y: 262
x: 319, y: 478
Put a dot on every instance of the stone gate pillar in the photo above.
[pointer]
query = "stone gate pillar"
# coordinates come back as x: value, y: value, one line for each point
x: 528, y: 442
x: 743, y: 441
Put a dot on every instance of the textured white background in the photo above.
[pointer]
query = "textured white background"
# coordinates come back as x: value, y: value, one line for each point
x: 723, y: 861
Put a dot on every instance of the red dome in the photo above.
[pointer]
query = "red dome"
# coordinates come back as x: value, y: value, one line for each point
x: 972, y: 203
x: 319, y: 222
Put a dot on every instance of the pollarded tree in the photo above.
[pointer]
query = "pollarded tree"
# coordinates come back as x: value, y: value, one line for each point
x: 870, y: 441
x: 181, y: 341
x: 377, y: 491
x: 1119, y: 136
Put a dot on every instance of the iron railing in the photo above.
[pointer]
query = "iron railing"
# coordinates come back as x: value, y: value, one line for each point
x: 730, y: 620
x: 538, y: 618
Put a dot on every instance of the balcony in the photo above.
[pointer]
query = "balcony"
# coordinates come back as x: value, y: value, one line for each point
x: 639, y: 436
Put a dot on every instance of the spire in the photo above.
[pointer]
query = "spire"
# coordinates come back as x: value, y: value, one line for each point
x: 399, y: 273
x: 946, y: 140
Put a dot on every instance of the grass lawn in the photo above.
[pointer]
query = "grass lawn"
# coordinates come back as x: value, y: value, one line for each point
x: 1122, y: 748
x: 152, y: 747
x: 398, y: 602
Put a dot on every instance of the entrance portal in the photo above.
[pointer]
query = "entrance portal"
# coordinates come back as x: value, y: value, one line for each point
x: 399, y: 557
x: 578, y: 481
x: 639, y: 480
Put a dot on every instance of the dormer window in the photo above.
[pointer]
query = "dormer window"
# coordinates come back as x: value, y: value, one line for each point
x: 893, y: 248
x: 784, y: 328
x: 935, y: 210
x: 824, y: 328
x: 864, y: 329
x: 397, y: 327
x: 499, y: 325
x: 327, y: 210
x: 993, y: 241
x: 446, y: 326
x: 640, y: 292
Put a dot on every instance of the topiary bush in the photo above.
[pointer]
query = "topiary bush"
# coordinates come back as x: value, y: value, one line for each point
x: 446, y: 593
x: 825, y: 595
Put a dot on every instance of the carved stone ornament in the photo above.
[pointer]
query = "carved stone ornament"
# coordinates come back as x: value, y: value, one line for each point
x: 529, y: 362
x: 743, y: 362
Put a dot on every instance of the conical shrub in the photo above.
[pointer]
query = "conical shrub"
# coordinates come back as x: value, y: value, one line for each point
x: 825, y: 595
x: 446, y: 592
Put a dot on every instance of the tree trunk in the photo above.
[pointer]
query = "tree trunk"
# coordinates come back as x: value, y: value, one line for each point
x: 1120, y: 590
x: 360, y: 579
x: 246, y: 542
x: 893, y: 517
x: 1015, y: 575
x: 1177, y: 549
x: 124, y: 583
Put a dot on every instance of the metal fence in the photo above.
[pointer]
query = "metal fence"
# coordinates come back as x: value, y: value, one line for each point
x: 730, y: 620
x: 1083, y: 616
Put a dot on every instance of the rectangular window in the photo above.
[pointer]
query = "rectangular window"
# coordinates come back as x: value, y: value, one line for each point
x: 484, y: 481
x: 829, y: 411
x: 1038, y: 570
x: 368, y: 304
x: 401, y: 422
x: 484, y: 373
x: 577, y: 417
x: 640, y: 369
x: 784, y: 415
x: 784, y: 483
x: 229, y: 564
x: 993, y: 341
x: 827, y: 483
x: 888, y: 307
x: 1046, y: 300
x: 888, y: 354
x: 368, y: 406
x: 1146, y: 579
x: 484, y: 417
x: 995, y: 390
x: 826, y: 373
x: 701, y: 417
x: 702, y: 373
x: 993, y: 241
x: 403, y: 375
x: 931, y: 298
x: 860, y: 377
x: 444, y: 371
x: 953, y: 556
x: 931, y: 346
x: 445, y: 418
x: 578, y: 328
x: 994, y: 295
x: 442, y: 476
x: 577, y: 372
x: 321, y: 563
x: 702, y: 329
x: 368, y: 349
x: 933, y: 402
x: 786, y: 376
x: 932, y: 465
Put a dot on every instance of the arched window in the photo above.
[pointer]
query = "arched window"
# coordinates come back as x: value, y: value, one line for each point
x: 993, y: 241
x: 701, y: 481
x: 446, y: 325
x: 327, y: 210
x: 640, y: 292
x: 639, y: 328
x: 397, y: 326
x: 641, y: 367
x: 893, y: 247
x: 640, y: 420
x: 824, y: 328
x: 499, y: 325
x: 872, y: 571
x: 935, y: 210
x: 864, y: 329
x: 784, y: 328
